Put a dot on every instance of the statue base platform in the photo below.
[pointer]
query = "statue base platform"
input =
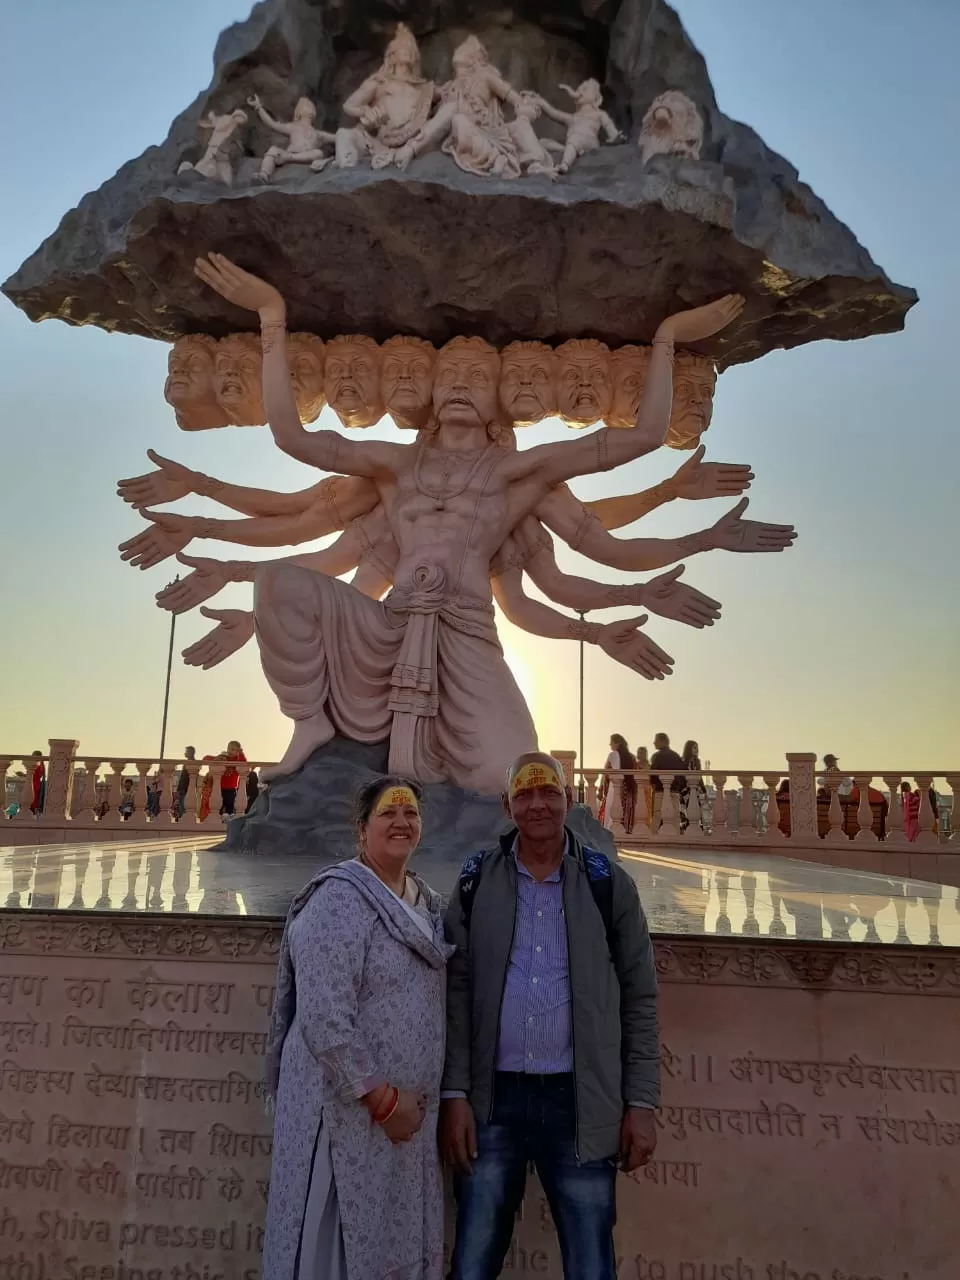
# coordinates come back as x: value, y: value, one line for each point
x: 311, y: 813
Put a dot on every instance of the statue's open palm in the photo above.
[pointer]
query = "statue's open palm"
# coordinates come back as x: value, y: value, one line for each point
x: 732, y: 533
x: 697, y: 479
x: 234, y: 629
x: 208, y: 577
x: 670, y: 598
x: 236, y: 285
x: 153, y: 546
x: 702, y: 322
x: 625, y: 643
x: 170, y: 482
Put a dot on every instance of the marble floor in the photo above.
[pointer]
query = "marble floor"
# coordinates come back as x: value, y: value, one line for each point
x: 749, y: 895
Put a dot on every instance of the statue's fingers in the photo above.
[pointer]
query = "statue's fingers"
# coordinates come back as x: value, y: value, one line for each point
x: 217, y: 615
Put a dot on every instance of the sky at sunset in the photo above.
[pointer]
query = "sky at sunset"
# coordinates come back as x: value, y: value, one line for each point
x: 847, y: 643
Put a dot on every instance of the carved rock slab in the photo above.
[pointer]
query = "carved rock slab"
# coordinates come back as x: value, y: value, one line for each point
x: 606, y: 252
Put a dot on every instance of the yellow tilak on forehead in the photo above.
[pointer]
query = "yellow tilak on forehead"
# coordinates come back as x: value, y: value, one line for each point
x: 536, y: 774
x: 401, y: 796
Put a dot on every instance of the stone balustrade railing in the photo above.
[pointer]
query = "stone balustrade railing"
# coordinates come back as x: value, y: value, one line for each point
x: 793, y: 807
x: 83, y: 790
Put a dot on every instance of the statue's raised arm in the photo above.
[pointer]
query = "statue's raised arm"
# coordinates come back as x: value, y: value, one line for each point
x: 551, y: 464
x: 325, y: 449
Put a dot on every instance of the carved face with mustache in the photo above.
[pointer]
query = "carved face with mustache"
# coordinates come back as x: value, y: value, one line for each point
x: 352, y: 380
x: 465, y: 383
x: 585, y: 384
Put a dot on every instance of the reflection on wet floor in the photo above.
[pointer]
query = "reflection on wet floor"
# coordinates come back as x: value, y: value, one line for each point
x: 719, y: 894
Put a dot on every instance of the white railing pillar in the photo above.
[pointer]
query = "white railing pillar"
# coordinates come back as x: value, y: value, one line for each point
x: 801, y: 766
x: 772, y: 781
x: 895, y: 837
x: 865, y: 834
x: 929, y: 837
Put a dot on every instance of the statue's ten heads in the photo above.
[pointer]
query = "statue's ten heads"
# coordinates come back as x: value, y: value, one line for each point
x: 584, y: 383
x: 671, y: 126
x: 402, y: 57
x: 189, y: 388
x: 352, y: 379
x: 468, y: 55
x: 305, y: 110
x: 305, y: 362
x: 528, y: 382
x: 465, y: 385
x: 694, y: 382
x: 406, y: 379
x: 237, y: 379
x: 629, y: 365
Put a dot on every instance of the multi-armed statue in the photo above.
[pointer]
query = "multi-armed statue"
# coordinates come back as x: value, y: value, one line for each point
x: 449, y: 522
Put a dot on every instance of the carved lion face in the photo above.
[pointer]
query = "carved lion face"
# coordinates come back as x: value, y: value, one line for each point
x: 672, y: 125
x: 528, y: 382
x: 352, y: 380
x: 585, y: 384
x: 406, y: 379
x: 694, y: 383
x: 237, y: 378
x: 630, y: 365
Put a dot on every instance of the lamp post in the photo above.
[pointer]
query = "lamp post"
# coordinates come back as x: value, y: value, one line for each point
x: 166, y: 691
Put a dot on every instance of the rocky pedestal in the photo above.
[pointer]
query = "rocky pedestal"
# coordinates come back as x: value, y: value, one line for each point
x: 606, y: 250
x: 311, y: 814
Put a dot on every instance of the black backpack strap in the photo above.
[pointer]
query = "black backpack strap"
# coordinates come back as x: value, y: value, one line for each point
x: 467, y: 885
x: 600, y: 877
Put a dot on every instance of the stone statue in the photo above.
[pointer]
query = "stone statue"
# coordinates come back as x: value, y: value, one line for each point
x: 189, y: 388
x: 528, y: 382
x: 304, y: 142
x: 406, y: 380
x: 533, y: 152
x: 305, y: 360
x: 424, y: 666
x: 469, y: 121
x: 628, y: 366
x: 672, y: 127
x: 585, y: 125
x: 352, y: 379
x: 390, y: 107
x: 236, y: 379
x: 585, y: 381
x: 694, y: 382
x: 216, y: 162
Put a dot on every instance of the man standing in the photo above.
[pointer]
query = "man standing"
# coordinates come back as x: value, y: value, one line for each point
x: 183, y: 780
x: 552, y: 1045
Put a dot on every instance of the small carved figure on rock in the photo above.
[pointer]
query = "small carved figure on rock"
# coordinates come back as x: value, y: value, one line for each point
x: 672, y: 127
x: 469, y: 121
x: 189, y: 388
x: 585, y: 384
x: 390, y: 107
x: 236, y: 379
x: 406, y: 379
x: 304, y: 142
x: 352, y: 379
x: 533, y: 152
x: 216, y: 161
x: 694, y: 382
x: 305, y: 362
x: 528, y: 382
x: 585, y: 125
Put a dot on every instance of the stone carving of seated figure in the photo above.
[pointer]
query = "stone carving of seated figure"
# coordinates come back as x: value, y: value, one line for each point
x: 352, y: 379
x: 306, y: 364
x: 584, y: 383
x: 528, y: 376
x: 406, y: 379
x: 390, y: 107
x: 694, y: 382
x: 671, y: 126
x: 216, y: 162
x: 629, y: 365
x: 189, y: 388
x: 304, y: 142
x: 237, y: 379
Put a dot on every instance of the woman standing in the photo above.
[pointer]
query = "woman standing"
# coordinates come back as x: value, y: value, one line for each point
x: 620, y: 758
x: 911, y: 811
x: 691, y: 762
x: 355, y: 1057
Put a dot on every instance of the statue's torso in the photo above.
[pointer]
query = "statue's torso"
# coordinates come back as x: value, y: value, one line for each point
x: 398, y: 99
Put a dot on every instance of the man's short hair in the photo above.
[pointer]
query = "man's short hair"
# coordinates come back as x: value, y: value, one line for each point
x: 828, y: 760
x: 664, y: 736
x: 529, y: 757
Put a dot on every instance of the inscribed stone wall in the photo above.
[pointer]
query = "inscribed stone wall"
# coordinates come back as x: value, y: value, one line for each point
x: 810, y: 1127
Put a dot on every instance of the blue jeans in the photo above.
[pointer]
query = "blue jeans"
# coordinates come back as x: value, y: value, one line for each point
x: 534, y: 1122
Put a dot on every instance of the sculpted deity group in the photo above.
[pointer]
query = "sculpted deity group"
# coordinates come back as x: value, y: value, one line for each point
x: 396, y: 115
x: 214, y: 383
x: 438, y: 529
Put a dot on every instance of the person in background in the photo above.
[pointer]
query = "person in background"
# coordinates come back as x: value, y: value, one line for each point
x: 620, y: 758
x: 253, y: 787
x: 553, y: 1055
x: 911, y: 811
x: 127, y: 798
x: 183, y: 780
x: 153, y: 797
x: 691, y: 762
x: 830, y: 766
x: 39, y: 783
x: 231, y: 778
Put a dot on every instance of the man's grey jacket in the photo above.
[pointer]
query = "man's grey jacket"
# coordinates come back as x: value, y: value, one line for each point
x: 616, y: 1051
